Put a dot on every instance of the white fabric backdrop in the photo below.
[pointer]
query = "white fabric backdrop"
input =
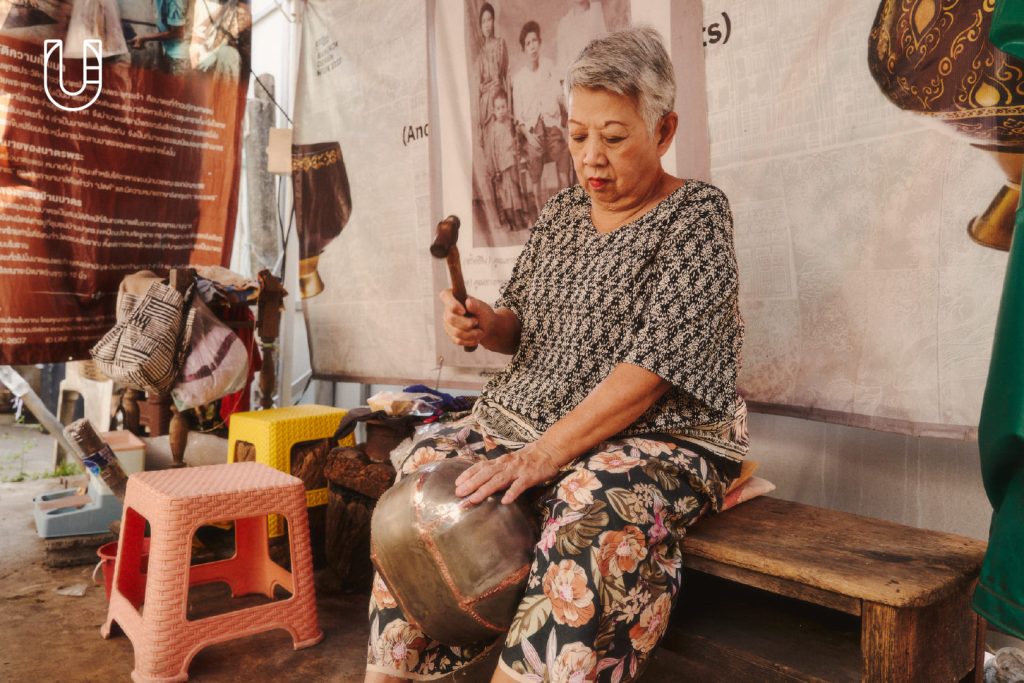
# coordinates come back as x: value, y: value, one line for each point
x: 865, y: 302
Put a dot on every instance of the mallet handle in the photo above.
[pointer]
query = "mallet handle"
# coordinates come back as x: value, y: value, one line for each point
x: 458, y: 283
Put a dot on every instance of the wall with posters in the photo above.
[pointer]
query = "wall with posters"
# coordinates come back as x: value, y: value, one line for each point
x: 841, y: 184
x: 866, y: 302
x: 404, y: 155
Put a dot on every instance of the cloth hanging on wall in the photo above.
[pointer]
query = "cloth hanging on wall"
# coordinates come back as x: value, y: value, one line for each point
x: 361, y: 171
x: 866, y: 301
x: 144, y: 178
x: 853, y: 179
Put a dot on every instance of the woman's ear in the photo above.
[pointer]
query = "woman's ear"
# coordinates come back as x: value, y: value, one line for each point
x: 666, y: 131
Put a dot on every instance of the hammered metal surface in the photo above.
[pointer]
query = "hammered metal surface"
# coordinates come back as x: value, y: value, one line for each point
x: 457, y: 572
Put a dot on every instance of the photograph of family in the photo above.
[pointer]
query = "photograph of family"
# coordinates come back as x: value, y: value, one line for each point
x: 517, y: 53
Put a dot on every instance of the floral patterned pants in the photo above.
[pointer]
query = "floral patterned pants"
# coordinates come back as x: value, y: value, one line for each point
x: 607, y: 569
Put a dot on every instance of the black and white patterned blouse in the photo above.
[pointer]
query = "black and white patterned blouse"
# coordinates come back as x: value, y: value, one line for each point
x: 659, y: 292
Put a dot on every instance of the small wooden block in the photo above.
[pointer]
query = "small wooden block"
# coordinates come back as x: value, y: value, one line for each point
x: 348, y: 468
x: 72, y: 551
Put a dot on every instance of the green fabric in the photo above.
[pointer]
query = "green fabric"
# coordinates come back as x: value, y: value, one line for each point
x: 1007, y: 32
x: 1000, y: 594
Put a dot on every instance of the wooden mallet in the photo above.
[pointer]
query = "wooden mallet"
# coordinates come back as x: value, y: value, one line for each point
x: 445, y: 246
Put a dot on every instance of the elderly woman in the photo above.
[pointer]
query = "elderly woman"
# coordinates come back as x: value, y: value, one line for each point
x: 618, y: 410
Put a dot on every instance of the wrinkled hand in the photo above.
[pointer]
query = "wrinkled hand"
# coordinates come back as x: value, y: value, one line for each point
x: 535, y: 463
x: 466, y: 328
x: 138, y: 43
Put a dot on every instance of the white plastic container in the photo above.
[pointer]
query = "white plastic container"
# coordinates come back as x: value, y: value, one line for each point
x: 130, y: 452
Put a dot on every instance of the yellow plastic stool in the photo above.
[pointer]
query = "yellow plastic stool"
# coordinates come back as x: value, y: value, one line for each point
x: 274, y: 432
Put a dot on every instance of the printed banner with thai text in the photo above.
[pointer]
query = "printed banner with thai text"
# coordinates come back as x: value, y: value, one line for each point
x: 118, y: 152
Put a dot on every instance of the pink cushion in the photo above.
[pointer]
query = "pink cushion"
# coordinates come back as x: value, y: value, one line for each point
x: 750, y: 489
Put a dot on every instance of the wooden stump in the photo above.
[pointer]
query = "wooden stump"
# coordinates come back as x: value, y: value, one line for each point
x: 348, y: 539
x: 382, y: 437
x: 354, y: 486
x: 308, y: 460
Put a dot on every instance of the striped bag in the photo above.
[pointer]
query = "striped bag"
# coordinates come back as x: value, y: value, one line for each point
x: 147, y: 346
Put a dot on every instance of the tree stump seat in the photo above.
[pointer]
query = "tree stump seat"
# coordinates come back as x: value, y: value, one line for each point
x: 355, y: 484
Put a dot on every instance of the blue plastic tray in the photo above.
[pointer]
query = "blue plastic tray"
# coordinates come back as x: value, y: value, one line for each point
x: 93, y: 518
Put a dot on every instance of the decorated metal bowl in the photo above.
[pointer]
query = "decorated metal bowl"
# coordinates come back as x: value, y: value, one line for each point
x: 934, y: 58
x: 458, y: 573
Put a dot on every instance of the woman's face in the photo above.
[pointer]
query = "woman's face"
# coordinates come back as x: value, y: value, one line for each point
x: 531, y: 46
x: 487, y: 24
x: 615, y: 157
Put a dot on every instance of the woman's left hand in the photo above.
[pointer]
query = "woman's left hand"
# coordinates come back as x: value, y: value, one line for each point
x: 535, y: 463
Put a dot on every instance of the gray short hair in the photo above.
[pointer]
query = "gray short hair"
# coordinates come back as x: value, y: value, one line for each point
x: 631, y: 62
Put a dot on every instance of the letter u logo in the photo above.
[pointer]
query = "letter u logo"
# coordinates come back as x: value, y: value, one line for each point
x: 92, y: 70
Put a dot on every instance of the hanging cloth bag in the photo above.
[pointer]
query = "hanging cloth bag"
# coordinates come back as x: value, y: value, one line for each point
x: 147, y: 346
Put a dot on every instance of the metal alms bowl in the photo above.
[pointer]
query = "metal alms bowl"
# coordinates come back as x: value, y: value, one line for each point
x: 934, y: 58
x: 457, y: 573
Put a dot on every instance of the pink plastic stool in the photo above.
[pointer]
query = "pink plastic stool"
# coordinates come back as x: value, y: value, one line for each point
x: 176, y: 503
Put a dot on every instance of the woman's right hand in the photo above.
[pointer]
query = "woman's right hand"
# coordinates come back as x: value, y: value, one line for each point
x: 463, y: 329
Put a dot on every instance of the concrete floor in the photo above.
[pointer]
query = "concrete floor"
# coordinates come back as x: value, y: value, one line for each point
x: 49, y: 637
x: 25, y: 450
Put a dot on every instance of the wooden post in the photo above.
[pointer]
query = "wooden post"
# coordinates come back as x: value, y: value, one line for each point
x: 261, y: 200
x: 919, y: 644
x: 155, y: 414
x: 130, y: 411
x: 181, y: 279
x: 268, y: 327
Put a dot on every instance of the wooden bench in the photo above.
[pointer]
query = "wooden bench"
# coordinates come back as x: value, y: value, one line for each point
x: 780, y: 591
